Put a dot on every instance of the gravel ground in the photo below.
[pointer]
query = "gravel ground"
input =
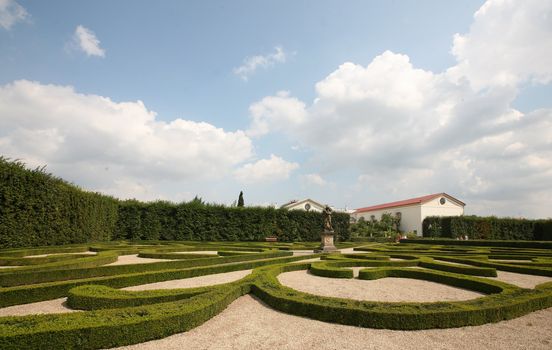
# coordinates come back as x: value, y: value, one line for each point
x: 134, y: 259
x: 302, y: 252
x: 520, y: 280
x: 248, y: 324
x: 389, y: 289
x: 55, y: 306
x: 201, y: 281
x: 44, y: 255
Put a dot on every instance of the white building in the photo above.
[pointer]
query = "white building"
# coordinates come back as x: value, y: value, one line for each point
x: 305, y: 204
x: 413, y: 211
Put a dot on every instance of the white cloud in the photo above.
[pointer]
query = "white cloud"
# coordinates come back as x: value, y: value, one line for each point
x: 275, y: 112
x: 265, y: 170
x: 509, y: 42
x: 11, y: 13
x: 118, y: 146
x: 86, y: 40
x: 315, y: 179
x: 408, y: 131
x: 252, y: 64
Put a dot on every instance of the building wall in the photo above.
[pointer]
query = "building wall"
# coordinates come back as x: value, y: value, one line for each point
x: 410, y: 217
x: 435, y: 208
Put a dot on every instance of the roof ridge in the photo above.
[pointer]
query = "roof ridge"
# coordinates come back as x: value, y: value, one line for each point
x: 409, y: 201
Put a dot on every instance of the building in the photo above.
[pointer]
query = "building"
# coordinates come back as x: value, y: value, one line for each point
x: 305, y: 204
x: 413, y: 211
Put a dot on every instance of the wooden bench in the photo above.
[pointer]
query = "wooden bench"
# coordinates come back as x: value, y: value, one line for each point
x: 271, y: 239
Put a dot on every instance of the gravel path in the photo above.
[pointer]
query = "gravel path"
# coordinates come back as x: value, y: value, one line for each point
x: 54, y: 254
x: 520, y: 280
x: 55, y: 306
x: 248, y: 324
x: 200, y: 281
x: 389, y: 289
x: 134, y: 259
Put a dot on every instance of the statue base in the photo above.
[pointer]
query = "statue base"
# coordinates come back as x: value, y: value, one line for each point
x: 327, y: 243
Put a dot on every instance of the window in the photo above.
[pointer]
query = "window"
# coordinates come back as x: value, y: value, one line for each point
x: 307, y: 207
x: 442, y: 200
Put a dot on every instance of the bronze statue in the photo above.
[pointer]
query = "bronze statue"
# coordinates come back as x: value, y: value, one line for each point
x: 328, y: 219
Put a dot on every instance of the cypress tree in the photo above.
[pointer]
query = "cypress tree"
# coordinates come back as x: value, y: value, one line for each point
x: 240, y: 200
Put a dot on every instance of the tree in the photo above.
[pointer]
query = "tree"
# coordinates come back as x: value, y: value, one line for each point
x: 240, y: 200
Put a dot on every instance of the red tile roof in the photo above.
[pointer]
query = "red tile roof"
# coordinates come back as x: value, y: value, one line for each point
x: 405, y: 202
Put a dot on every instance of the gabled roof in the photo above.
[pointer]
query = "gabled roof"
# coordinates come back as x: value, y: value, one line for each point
x: 411, y: 201
x: 295, y: 202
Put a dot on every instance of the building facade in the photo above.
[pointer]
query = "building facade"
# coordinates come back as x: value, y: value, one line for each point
x: 305, y: 204
x: 413, y: 211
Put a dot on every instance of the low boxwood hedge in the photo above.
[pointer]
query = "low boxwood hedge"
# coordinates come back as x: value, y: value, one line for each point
x: 80, y: 269
x: 123, y: 317
x: 51, y: 290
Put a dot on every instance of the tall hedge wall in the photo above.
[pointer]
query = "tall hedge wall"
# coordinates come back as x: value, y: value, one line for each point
x: 196, y: 221
x: 39, y: 209
x: 477, y: 227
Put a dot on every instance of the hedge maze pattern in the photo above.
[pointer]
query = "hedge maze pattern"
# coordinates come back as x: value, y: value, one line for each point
x: 114, y: 317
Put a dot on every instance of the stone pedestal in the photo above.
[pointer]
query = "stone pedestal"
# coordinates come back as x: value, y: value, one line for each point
x: 327, y: 242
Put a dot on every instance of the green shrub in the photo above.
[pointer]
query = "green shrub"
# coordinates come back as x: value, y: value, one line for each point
x: 38, y: 209
x: 488, y: 228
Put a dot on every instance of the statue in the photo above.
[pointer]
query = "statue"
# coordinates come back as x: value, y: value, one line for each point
x: 328, y: 219
x: 327, y: 236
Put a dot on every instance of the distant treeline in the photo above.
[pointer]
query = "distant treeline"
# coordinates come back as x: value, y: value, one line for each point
x: 39, y: 209
x: 477, y: 227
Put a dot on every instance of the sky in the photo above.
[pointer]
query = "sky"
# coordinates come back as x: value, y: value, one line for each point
x: 350, y: 103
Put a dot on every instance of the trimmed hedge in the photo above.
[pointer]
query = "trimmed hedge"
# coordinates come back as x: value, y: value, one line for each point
x: 122, y: 317
x: 38, y: 209
x: 46, y: 291
x: 200, y: 222
x: 115, y: 327
x: 454, y: 280
x: 510, y: 303
x: 481, y: 243
x: 96, y: 297
x: 16, y: 277
x: 492, y: 228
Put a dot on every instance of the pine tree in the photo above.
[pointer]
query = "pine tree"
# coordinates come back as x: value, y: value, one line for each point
x: 240, y: 200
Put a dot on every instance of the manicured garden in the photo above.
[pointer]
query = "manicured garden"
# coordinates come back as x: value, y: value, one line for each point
x: 112, y: 316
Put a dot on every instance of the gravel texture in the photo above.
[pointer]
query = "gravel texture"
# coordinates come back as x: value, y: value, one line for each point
x: 248, y: 324
x: 389, y: 289
x: 44, y: 255
x: 201, y: 281
x: 55, y: 306
x: 134, y: 259
x: 520, y: 280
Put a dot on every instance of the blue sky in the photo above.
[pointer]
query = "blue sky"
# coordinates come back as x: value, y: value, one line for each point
x: 350, y: 103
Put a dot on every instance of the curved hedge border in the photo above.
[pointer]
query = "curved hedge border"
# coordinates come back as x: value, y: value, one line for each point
x: 511, y: 302
x: 16, y: 277
x: 123, y: 317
